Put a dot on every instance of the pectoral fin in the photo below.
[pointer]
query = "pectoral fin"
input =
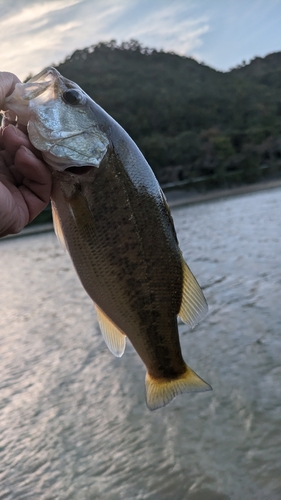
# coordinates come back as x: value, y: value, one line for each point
x: 160, y: 392
x: 113, y: 337
x: 194, y: 306
x: 57, y: 227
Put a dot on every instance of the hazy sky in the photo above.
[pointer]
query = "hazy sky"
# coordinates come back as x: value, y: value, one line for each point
x: 222, y: 33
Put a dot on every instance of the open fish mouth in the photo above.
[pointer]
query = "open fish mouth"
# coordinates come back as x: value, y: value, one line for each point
x: 78, y: 170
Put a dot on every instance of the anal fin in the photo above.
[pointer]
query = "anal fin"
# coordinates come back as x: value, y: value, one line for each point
x: 194, y: 306
x: 113, y: 337
x: 160, y: 392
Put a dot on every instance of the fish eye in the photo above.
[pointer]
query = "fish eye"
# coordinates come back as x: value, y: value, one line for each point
x: 72, y: 96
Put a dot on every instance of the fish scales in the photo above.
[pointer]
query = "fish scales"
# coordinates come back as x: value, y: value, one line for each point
x: 134, y: 267
x: 114, y: 221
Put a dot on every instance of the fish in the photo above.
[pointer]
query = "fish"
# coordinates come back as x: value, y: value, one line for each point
x: 112, y: 217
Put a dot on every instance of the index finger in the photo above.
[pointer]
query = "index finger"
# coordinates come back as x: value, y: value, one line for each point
x: 7, y: 85
x: 13, y: 138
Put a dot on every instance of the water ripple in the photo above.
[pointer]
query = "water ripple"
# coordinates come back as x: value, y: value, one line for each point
x: 73, y: 421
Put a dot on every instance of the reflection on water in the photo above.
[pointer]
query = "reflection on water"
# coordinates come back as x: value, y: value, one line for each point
x: 73, y: 420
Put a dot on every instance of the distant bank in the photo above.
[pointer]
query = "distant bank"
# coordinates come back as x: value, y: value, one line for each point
x: 180, y: 197
x: 176, y: 198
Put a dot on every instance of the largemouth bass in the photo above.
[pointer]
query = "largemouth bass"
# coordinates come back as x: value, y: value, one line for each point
x: 111, y: 215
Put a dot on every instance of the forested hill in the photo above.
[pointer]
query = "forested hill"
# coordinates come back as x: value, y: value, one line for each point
x: 188, y: 119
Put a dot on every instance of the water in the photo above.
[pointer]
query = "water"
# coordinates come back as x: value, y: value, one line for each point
x: 73, y: 421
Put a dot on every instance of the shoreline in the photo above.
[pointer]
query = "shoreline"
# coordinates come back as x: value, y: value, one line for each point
x: 176, y: 198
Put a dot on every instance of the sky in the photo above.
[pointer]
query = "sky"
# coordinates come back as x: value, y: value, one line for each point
x: 221, y: 33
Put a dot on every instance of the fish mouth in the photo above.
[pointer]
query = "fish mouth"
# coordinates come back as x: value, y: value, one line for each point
x: 79, y: 170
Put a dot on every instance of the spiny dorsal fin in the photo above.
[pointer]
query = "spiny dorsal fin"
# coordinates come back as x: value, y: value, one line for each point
x: 113, y: 337
x: 57, y: 227
x: 160, y: 392
x: 193, y: 306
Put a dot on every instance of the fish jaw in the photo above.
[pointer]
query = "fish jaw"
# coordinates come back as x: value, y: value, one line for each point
x: 40, y: 104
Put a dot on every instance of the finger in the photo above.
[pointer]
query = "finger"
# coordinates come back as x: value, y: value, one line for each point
x: 13, y: 138
x: 8, y: 172
x: 11, y: 135
x: 13, y: 211
x: 37, y: 181
x: 34, y: 203
x: 16, y: 175
x: 36, y: 174
x: 7, y: 158
x: 7, y: 85
x: 9, y: 118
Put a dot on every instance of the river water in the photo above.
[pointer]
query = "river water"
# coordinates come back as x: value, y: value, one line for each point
x: 73, y: 419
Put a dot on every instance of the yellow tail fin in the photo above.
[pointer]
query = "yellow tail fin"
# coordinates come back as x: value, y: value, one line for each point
x: 161, y: 391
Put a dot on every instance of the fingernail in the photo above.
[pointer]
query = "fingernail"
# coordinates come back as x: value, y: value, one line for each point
x: 15, y: 129
x: 27, y: 151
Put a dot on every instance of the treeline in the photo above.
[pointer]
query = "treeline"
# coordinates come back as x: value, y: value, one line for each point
x: 189, y: 120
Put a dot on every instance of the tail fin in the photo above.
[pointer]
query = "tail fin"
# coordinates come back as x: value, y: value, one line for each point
x: 160, y: 392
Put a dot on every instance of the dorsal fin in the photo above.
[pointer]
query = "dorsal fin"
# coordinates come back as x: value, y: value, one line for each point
x: 57, y: 227
x: 193, y: 306
x: 113, y: 337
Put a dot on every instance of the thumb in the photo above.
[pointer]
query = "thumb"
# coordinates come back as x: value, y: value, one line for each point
x: 7, y: 85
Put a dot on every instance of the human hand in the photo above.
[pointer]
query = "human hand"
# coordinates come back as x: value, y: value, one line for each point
x: 25, y: 180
